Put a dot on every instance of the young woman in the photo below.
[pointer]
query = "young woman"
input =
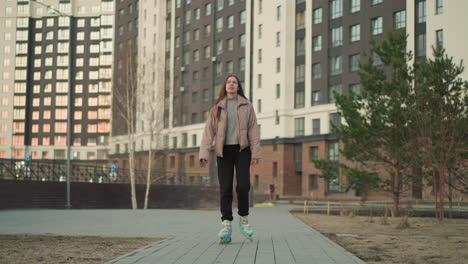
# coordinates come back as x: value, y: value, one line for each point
x: 232, y: 125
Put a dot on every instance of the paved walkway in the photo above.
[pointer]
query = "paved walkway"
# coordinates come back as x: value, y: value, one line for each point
x: 191, y: 235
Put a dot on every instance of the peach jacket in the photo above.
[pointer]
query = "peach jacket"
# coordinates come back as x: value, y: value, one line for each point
x: 216, y: 130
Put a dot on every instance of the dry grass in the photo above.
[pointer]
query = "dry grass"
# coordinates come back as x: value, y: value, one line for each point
x: 26, y: 249
x: 424, y: 240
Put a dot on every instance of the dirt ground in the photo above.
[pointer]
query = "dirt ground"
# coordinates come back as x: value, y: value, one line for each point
x: 22, y: 249
x: 425, y: 241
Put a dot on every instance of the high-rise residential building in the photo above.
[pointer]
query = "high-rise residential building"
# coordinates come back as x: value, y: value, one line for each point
x: 52, y: 49
x: 291, y: 56
x: 183, y: 50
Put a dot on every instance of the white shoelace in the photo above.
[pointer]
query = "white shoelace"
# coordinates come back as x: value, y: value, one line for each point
x: 245, y: 223
x: 226, y: 227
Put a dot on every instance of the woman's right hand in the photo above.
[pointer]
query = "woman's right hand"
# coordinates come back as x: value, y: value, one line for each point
x: 203, y: 162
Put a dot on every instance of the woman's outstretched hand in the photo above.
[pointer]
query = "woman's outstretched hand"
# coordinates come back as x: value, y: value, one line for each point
x: 254, y: 162
x: 203, y: 162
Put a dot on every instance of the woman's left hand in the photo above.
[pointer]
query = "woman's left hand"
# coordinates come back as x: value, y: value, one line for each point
x: 254, y: 162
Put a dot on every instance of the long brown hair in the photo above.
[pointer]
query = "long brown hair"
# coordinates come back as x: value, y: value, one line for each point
x: 222, y: 93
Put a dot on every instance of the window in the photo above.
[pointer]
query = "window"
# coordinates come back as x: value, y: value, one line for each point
x: 355, y: 6
x: 299, y: 127
x: 335, y: 120
x: 317, y: 15
x: 230, y: 44
x: 316, y: 71
x: 242, y: 64
x: 196, y: 34
x: 278, y: 13
x: 300, y: 46
x: 194, y: 140
x: 439, y: 6
x: 374, y: 2
x: 355, y: 89
x: 206, y: 95
x: 184, y: 139
x: 331, y: 90
x: 259, y: 105
x: 316, y: 98
x: 300, y: 73
x: 260, y: 6
x: 316, y: 127
x: 187, y: 38
x: 208, y: 9
x: 300, y: 20
x: 278, y: 90
x: 421, y: 11
x: 335, y: 65
x: 219, y: 24
x: 313, y: 153
x: 219, y: 69
x: 420, y: 45
x: 230, y: 21
x: 219, y: 5
x: 24, y: 22
x: 278, y: 65
x: 242, y: 17
x: 275, y: 169
x: 20, y: 35
x: 229, y: 67
x: 196, y: 56
x: 259, y: 80
x: 197, y: 14
x: 207, y: 30
x: 299, y: 99
x: 333, y: 151
x: 354, y: 62
x: 399, y: 19
x: 336, y: 36
x: 376, y: 61
x: 336, y: 8
x: 260, y: 31
x: 317, y: 43
x: 207, y: 52
x: 376, y: 25
x: 242, y: 40
x: 278, y: 39
x: 313, y: 182
x: 192, y: 161
x: 219, y: 47
x: 277, y: 117
x: 188, y: 16
x: 440, y: 37
x: 355, y: 33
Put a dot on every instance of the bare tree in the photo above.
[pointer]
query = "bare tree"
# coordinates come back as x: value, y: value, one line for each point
x: 153, y: 117
x: 125, y: 103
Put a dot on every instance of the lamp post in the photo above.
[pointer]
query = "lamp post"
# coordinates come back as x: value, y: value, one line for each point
x: 52, y: 10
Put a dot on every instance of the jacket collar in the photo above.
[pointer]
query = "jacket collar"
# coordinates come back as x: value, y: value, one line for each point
x: 240, y: 101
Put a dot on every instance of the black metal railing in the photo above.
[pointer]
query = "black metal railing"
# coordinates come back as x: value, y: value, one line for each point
x: 92, y: 172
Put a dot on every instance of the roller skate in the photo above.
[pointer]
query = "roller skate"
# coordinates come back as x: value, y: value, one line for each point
x: 225, y: 233
x: 245, y: 228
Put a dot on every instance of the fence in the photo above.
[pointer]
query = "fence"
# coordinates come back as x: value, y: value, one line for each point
x: 91, y: 172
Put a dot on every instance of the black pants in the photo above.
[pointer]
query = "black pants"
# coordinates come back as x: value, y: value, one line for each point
x: 241, y: 161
